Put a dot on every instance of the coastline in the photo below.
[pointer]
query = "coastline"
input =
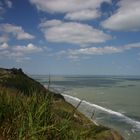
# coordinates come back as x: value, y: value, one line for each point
x: 44, y: 113
x: 116, y: 96
x: 91, y: 106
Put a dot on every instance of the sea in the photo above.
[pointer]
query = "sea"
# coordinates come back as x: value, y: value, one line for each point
x: 114, y: 100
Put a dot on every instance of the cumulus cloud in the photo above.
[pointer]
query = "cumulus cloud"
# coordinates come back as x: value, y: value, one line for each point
x: 30, y: 48
x: 89, y: 51
x: 95, y: 51
x: 18, y: 52
x: 16, y: 31
x: 92, y: 51
x: 83, y: 15
x: 88, y: 9
x: 50, y: 23
x: 131, y: 46
x: 3, y: 46
x: 64, y: 6
x: 8, y: 3
x: 127, y: 17
x: 72, y: 32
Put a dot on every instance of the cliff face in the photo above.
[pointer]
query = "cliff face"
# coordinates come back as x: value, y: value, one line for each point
x: 63, y: 120
x: 16, y: 79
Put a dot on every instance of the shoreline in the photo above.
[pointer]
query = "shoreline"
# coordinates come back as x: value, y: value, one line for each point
x: 125, y: 119
x: 95, y: 106
x: 21, y: 90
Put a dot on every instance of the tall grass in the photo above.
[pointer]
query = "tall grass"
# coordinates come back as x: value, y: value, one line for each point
x: 32, y: 118
x: 35, y: 118
x: 30, y: 112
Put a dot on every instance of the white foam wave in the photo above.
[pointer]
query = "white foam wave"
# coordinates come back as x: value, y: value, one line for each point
x: 128, y: 120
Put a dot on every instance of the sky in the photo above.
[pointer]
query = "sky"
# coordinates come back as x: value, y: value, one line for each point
x: 84, y: 37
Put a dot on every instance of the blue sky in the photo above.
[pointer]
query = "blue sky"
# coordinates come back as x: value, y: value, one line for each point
x: 71, y: 36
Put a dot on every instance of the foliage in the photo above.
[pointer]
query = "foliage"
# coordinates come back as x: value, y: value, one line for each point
x: 37, y: 118
x: 30, y: 112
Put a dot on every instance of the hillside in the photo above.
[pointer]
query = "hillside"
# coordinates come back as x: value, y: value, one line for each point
x: 15, y: 80
x: 28, y: 111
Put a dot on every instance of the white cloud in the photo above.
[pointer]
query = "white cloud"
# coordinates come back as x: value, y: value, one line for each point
x: 24, y: 35
x: 64, y: 6
x: 16, y: 31
x: 72, y: 32
x: 127, y: 17
x: 30, y: 48
x: 92, y: 51
x: 95, y: 51
x: 8, y: 3
x: 88, y: 9
x: 3, y: 46
x: 18, y: 52
x: 131, y: 46
x: 50, y: 23
x: 82, y: 15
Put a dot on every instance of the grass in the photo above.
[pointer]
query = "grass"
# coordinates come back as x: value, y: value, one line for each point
x: 20, y: 82
x: 30, y: 112
x: 40, y: 118
x: 23, y: 117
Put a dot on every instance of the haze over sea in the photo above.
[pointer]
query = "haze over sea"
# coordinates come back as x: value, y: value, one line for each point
x: 114, y: 99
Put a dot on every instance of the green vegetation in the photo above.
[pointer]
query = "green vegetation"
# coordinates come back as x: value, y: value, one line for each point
x: 15, y: 80
x: 42, y: 115
x: 23, y: 117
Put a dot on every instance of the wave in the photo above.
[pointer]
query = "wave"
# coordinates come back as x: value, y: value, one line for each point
x: 123, y: 117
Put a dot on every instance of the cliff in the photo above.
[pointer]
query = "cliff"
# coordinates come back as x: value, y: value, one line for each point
x: 29, y: 111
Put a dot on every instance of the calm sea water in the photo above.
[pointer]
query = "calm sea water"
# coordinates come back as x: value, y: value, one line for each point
x: 114, y: 99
